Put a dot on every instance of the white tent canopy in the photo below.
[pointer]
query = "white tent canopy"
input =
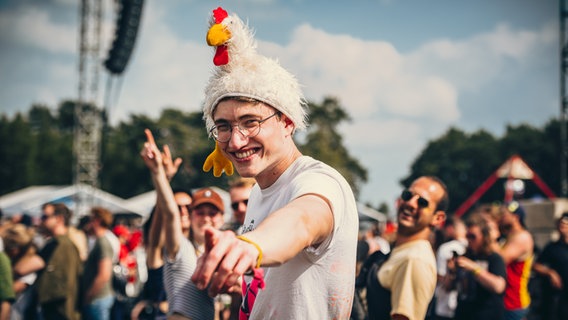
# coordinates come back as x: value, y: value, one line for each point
x: 29, y: 200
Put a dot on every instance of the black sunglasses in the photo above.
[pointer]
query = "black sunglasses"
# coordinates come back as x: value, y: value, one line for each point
x: 407, y: 195
x: 470, y: 236
x: 235, y: 205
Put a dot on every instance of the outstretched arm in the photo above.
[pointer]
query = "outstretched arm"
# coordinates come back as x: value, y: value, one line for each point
x: 165, y: 202
x: 555, y: 279
x: 304, y: 222
x: 490, y: 281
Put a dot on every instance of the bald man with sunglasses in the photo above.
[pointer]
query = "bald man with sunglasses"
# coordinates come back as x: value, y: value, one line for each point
x: 407, y: 279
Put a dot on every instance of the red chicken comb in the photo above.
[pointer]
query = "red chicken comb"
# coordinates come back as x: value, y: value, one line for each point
x: 219, y: 14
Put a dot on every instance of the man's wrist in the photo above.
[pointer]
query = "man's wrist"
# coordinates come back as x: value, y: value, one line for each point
x: 259, y: 256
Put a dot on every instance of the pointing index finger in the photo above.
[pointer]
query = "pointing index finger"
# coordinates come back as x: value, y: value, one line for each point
x: 149, y: 136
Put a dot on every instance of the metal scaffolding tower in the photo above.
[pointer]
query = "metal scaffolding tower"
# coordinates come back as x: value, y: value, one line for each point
x: 563, y: 100
x: 88, y: 122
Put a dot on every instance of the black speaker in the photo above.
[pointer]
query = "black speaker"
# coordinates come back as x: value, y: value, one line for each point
x: 129, y: 15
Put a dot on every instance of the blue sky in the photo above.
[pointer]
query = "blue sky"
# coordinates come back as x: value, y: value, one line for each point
x: 405, y: 70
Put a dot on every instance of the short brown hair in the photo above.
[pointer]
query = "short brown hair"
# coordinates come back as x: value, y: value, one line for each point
x: 104, y: 215
x: 60, y: 209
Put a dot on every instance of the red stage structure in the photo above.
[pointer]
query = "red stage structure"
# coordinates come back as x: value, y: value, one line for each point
x: 513, y: 168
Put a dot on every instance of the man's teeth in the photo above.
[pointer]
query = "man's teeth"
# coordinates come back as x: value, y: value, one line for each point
x: 245, y: 154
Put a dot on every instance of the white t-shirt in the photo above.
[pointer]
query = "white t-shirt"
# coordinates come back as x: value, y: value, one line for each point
x: 318, y: 283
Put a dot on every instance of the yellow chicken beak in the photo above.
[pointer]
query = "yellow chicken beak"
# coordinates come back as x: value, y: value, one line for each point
x: 217, y: 35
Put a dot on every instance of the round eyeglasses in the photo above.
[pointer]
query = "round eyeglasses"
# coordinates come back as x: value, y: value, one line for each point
x: 249, y: 128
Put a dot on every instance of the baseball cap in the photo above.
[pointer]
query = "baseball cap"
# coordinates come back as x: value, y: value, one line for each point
x: 516, y: 208
x: 208, y: 195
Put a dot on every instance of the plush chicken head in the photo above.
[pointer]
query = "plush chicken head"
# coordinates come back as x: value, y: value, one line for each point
x: 242, y: 72
x: 230, y: 37
x: 218, y: 35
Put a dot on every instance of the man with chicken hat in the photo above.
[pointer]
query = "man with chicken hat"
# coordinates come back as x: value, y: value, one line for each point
x: 300, y: 232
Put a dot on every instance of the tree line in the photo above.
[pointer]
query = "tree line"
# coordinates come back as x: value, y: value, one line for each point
x: 37, y: 149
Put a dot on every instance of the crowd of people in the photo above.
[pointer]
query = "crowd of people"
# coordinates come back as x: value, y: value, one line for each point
x: 294, y: 248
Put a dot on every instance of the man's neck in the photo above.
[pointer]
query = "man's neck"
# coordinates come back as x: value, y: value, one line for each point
x: 99, y: 232
x: 423, y: 234
x: 60, y: 231
x: 267, y: 178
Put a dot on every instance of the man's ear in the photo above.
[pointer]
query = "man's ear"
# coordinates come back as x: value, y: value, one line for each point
x: 439, y: 218
x: 288, y: 124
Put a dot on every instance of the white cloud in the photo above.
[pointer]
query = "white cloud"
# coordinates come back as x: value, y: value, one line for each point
x: 368, y: 76
x: 33, y: 27
x: 472, y: 63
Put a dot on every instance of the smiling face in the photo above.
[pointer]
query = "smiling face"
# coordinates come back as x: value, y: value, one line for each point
x: 264, y: 156
x: 205, y: 215
x: 417, y: 207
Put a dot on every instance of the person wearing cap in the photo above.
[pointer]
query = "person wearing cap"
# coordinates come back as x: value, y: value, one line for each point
x: 552, y: 263
x: 185, y: 300
x: 299, y: 241
x: 518, y: 253
x: 207, y: 211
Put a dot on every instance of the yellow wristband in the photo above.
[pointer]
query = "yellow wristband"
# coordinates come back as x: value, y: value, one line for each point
x: 259, y: 258
x: 476, y: 271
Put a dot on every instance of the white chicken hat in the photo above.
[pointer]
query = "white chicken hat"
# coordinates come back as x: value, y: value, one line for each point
x: 241, y: 71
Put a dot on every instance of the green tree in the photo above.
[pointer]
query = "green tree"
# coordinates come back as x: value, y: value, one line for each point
x: 51, y: 148
x: 324, y: 143
x: 15, y: 163
x: 464, y: 161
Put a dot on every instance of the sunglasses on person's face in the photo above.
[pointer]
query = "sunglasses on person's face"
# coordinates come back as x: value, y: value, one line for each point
x: 471, y: 236
x: 407, y: 195
x: 44, y: 217
x: 235, y: 205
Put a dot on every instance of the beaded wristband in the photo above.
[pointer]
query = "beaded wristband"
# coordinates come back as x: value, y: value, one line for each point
x: 259, y: 258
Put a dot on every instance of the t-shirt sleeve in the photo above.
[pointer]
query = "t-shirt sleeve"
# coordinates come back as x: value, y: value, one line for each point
x: 106, y: 250
x: 497, y: 266
x: 413, y: 285
x: 6, y: 288
x: 325, y: 186
x: 329, y: 189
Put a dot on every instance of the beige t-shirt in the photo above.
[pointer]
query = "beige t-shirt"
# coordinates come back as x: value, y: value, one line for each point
x: 410, y: 275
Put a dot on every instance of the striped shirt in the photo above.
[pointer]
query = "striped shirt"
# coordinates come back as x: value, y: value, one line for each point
x: 183, y: 296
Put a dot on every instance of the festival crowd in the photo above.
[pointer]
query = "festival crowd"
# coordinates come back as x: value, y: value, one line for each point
x: 294, y: 247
